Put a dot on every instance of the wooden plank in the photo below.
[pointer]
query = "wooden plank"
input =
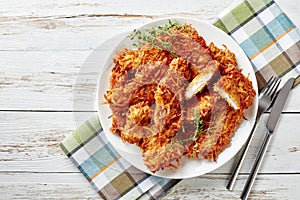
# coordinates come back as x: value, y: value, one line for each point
x: 88, y: 30
x: 73, y: 186
x: 54, y: 8
x: 65, y: 34
x: 86, y: 25
x: 110, y: 7
x: 30, y: 142
x: 214, y: 187
x: 60, y: 80
x: 45, y: 186
x: 45, y: 81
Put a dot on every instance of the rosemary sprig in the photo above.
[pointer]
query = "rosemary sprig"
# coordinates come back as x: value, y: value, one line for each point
x: 151, y: 36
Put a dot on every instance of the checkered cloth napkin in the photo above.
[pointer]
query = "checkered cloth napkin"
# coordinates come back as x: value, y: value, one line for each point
x: 269, y: 39
x: 110, y: 175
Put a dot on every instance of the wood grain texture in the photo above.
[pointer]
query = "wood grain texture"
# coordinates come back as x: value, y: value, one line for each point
x: 45, y: 186
x: 74, y: 186
x: 30, y: 140
x: 213, y: 187
x: 43, y: 46
x: 32, y: 84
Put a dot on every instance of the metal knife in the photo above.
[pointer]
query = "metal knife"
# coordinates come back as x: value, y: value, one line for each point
x: 271, y: 124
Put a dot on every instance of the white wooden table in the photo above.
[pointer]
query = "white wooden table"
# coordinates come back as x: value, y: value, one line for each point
x: 43, y: 44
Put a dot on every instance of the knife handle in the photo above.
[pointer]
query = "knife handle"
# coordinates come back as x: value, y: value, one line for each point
x: 237, y: 168
x: 256, y: 166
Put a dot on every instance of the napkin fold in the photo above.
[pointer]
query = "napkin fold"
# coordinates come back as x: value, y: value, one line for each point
x: 271, y: 42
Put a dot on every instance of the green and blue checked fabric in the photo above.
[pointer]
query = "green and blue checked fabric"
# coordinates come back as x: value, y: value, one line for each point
x: 268, y: 37
x: 110, y: 175
x: 271, y: 42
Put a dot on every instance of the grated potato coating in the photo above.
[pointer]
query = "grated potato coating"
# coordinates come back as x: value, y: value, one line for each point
x: 151, y: 108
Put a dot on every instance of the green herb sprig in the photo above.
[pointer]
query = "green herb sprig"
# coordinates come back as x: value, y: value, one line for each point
x: 199, y: 125
x: 151, y: 36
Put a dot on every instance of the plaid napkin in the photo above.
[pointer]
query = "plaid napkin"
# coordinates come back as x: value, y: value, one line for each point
x: 110, y: 175
x: 267, y: 36
x: 269, y: 39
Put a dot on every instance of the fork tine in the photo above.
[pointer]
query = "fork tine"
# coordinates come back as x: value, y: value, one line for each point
x: 267, y: 85
x: 271, y: 80
x: 266, y: 88
x: 273, y: 88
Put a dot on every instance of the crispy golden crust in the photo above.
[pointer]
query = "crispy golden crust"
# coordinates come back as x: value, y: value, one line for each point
x: 147, y: 96
x: 127, y: 60
x: 225, y: 57
x: 167, y: 155
x: 238, y: 89
x: 223, y: 123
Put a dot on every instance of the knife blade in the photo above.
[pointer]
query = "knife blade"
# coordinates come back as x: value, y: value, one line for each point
x: 271, y: 125
x: 279, y: 105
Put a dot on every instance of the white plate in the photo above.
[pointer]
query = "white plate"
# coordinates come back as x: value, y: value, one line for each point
x: 189, y: 167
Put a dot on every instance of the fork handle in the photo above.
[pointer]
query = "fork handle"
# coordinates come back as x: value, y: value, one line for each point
x: 256, y: 166
x: 237, y: 168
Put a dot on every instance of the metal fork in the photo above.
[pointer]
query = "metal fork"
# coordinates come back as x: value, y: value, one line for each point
x: 266, y: 96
